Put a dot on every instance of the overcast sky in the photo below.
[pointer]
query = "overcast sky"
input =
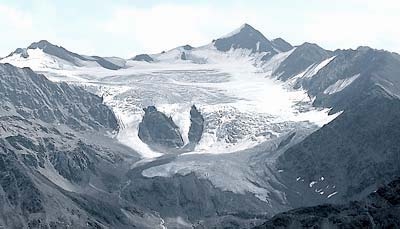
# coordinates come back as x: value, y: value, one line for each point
x: 128, y: 27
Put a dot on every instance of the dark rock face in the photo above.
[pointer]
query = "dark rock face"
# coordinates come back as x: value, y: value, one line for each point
x: 196, y: 125
x: 381, y: 209
x: 30, y: 200
x: 75, y: 164
x: 103, y: 62
x: 359, y: 70
x: 21, y: 51
x: 300, y: 59
x: 17, y: 184
x: 281, y: 45
x: 156, y: 129
x: 356, y: 152
x: 370, y: 67
x: 33, y: 96
x: 183, y: 56
x: 143, y: 57
x: 246, y: 38
x: 187, y: 47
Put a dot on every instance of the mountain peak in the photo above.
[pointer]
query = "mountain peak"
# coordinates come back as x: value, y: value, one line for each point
x: 23, y: 52
x: 245, y: 37
x: 281, y: 44
x: 42, y: 44
x: 245, y: 28
x: 187, y: 47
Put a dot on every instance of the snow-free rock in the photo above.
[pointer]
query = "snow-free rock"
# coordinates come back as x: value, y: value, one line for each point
x: 158, y: 130
x: 143, y: 57
x: 196, y: 125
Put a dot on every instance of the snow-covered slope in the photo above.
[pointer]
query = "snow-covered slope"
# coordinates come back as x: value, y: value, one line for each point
x: 43, y: 55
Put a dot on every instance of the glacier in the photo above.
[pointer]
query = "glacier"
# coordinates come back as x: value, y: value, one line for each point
x: 246, y: 108
x: 232, y: 89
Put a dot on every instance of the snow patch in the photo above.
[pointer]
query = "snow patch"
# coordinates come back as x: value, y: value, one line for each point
x: 52, y: 174
x: 332, y: 194
x: 181, y: 117
x: 340, y: 85
x: 270, y: 66
x: 314, y: 70
x: 310, y: 71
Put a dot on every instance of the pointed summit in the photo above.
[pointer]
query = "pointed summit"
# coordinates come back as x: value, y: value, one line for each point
x: 281, y: 44
x: 242, y: 29
x: 245, y: 37
x: 247, y: 27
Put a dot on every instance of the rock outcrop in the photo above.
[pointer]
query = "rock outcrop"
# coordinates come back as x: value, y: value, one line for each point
x: 33, y: 96
x: 143, y: 57
x: 196, y: 125
x: 158, y: 130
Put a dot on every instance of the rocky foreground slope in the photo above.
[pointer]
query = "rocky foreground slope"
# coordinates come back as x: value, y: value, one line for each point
x: 380, y: 209
x: 58, y: 166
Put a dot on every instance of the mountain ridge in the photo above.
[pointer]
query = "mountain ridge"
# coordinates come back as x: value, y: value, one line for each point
x: 63, y: 54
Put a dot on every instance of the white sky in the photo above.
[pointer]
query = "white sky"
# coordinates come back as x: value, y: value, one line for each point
x: 125, y: 28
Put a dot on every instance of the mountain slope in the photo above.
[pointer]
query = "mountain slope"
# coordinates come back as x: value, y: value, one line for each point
x: 343, y: 82
x: 281, y: 45
x: 349, y: 157
x: 379, y: 209
x: 303, y: 57
x: 59, y: 167
x: 33, y: 96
